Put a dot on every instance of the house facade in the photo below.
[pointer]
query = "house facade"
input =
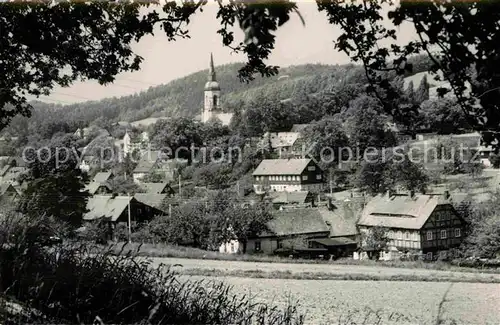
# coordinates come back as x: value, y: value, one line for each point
x: 291, y: 229
x: 291, y: 175
x: 420, y: 224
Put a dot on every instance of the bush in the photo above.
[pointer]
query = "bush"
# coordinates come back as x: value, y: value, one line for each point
x: 73, y: 283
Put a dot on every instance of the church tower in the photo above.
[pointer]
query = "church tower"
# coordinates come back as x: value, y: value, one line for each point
x: 212, y: 94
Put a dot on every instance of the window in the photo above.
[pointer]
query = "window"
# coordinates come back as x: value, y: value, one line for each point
x: 289, y: 178
x: 232, y: 248
x: 429, y: 235
x: 407, y: 235
x: 400, y: 235
x: 304, y: 178
x: 310, y: 244
x: 257, y: 178
x: 318, y: 176
x: 458, y: 232
x: 429, y: 255
x: 443, y: 234
x: 311, y: 168
x: 280, y: 244
x: 257, y: 246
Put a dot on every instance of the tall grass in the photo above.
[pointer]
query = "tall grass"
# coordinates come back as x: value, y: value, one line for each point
x: 72, y: 284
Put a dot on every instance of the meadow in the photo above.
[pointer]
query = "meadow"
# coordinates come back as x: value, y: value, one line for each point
x: 376, y: 302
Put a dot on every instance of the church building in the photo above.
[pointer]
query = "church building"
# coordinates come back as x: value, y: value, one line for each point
x: 211, y: 107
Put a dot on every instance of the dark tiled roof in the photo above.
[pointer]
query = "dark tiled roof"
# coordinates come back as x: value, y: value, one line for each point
x: 342, y: 219
x: 106, y: 207
x: 151, y: 199
x: 297, y: 221
x: 289, y: 197
x: 154, y: 188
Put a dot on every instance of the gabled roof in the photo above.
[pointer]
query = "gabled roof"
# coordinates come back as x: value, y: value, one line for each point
x: 281, y: 166
x: 4, y: 170
x: 154, y: 188
x: 92, y: 187
x: 102, y: 177
x: 6, y: 187
x: 148, y: 161
x: 151, y: 199
x: 13, y: 173
x: 399, y: 211
x: 106, y: 207
x: 280, y: 139
x: 297, y: 221
x: 342, y: 219
x: 289, y: 197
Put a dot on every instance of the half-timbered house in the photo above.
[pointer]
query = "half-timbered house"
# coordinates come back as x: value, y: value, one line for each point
x: 418, y: 223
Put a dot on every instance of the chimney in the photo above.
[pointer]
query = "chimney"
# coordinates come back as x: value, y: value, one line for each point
x: 411, y: 193
x: 446, y: 195
x: 390, y: 193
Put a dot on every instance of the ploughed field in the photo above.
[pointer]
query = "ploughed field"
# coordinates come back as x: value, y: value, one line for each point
x: 375, y: 302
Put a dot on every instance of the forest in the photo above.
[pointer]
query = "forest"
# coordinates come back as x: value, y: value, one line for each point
x: 330, y: 83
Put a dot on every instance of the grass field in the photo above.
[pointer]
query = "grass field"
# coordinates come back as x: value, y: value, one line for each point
x: 368, y: 302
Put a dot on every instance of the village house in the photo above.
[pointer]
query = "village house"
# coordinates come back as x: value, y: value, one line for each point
x: 281, y: 142
x: 8, y: 194
x: 116, y: 209
x: 100, y: 184
x: 154, y: 200
x: 135, y: 142
x: 157, y: 188
x: 10, y: 175
x: 291, y: 199
x: 418, y: 223
x: 149, y: 162
x: 288, y: 175
x: 290, y: 229
x: 88, y: 162
x: 341, y: 219
x: 85, y: 133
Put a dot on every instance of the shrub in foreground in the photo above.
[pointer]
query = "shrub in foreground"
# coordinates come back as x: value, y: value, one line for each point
x: 71, y: 284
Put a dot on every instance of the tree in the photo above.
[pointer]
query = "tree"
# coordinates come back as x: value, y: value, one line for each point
x: 375, y: 240
x: 249, y: 222
x: 96, y: 44
x: 410, y: 91
x: 367, y: 128
x: 55, y: 183
x: 390, y: 171
x: 443, y: 116
x: 422, y: 92
x: 177, y: 137
x: 459, y: 39
x: 324, y: 140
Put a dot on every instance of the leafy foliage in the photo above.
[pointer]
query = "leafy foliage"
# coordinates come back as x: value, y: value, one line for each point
x: 55, y: 183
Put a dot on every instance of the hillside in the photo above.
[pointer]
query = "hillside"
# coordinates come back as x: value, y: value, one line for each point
x: 184, y: 96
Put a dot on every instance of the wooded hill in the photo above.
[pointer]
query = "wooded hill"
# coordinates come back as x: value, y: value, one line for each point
x: 184, y: 96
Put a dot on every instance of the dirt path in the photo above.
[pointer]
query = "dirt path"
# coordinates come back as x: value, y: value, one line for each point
x: 231, y: 266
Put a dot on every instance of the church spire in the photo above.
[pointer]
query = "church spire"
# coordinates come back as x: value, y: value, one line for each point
x: 211, y: 71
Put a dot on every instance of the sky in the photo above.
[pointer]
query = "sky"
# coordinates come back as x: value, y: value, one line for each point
x: 165, y: 61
